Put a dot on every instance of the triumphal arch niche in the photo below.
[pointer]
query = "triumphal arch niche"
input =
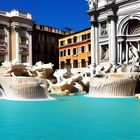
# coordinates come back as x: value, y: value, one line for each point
x: 115, y: 31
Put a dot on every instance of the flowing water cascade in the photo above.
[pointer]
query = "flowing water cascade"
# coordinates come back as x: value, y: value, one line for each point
x: 23, y: 88
x: 113, y: 85
x: 21, y: 82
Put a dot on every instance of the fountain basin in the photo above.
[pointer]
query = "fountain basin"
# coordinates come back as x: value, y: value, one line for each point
x: 114, y: 85
x: 20, y: 87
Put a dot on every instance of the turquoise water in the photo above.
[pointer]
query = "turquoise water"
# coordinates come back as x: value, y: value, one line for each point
x: 71, y: 118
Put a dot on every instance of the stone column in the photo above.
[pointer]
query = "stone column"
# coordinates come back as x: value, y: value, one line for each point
x: 30, y: 48
x: 7, y: 31
x: 93, y: 55
x: 112, y: 39
x: 17, y: 45
x: 127, y: 53
x: 118, y: 52
x: 120, y: 45
x: 139, y: 46
x: 94, y: 43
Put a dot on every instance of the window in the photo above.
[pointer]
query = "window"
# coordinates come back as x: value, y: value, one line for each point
x: 61, y: 43
x: 75, y: 64
x: 89, y: 60
x: 68, y: 51
x: 64, y: 52
x: 89, y: 47
x: 83, y: 63
x: 82, y: 49
x: 74, y: 39
x: 69, y: 41
x: 83, y: 37
x: 88, y: 36
x: 74, y: 51
x: 61, y: 53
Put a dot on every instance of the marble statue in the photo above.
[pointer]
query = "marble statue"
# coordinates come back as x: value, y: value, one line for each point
x: 105, y: 54
x: 134, y: 54
x: 59, y: 75
x: 103, y: 29
x: 93, y: 4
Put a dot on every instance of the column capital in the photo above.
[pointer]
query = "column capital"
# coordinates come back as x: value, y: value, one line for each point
x: 94, y: 21
x: 94, y: 17
x: 30, y: 30
x: 112, y: 17
x: 15, y: 28
x: 7, y: 27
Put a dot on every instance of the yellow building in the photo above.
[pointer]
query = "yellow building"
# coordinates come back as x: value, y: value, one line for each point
x: 15, y: 36
x: 75, y: 50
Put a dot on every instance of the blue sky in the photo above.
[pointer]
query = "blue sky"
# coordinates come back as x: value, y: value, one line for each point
x: 55, y: 13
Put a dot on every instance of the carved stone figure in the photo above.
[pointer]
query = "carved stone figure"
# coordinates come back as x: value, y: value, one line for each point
x: 58, y: 75
x: 105, y: 54
x: 103, y: 29
x: 134, y: 54
x: 92, y: 4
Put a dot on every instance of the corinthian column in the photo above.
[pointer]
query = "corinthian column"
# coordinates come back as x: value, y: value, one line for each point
x: 17, y: 45
x: 112, y: 39
x: 94, y: 43
x: 30, y: 48
x: 127, y: 53
x: 7, y: 30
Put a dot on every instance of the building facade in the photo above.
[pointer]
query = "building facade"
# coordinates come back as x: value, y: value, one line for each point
x: 75, y: 50
x: 15, y: 36
x: 115, y: 31
x: 45, y: 44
